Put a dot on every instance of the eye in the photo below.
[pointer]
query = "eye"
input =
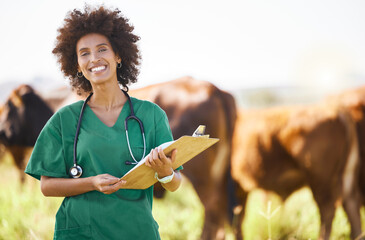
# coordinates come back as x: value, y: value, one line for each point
x: 84, y: 54
x: 102, y: 49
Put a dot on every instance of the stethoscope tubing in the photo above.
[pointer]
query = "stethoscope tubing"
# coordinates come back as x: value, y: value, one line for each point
x: 78, y: 168
x: 78, y: 128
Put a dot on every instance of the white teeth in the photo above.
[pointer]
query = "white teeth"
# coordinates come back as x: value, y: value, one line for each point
x: 95, y: 69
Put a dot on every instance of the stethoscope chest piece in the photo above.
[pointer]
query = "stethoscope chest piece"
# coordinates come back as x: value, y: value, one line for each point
x: 76, y: 171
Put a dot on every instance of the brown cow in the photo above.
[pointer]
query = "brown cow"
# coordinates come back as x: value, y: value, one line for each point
x: 284, y: 149
x: 22, y: 118
x: 189, y: 103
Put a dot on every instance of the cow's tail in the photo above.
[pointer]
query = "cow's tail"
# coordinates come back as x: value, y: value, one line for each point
x: 230, y: 110
x: 351, y: 171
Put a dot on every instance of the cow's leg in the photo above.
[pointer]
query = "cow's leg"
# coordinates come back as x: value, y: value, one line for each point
x: 158, y: 191
x: 327, y: 213
x: 351, y: 205
x: 210, y: 184
x: 2, y: 152
x: 215, y: 212
x: 20, y: 155
x: 239, y: 214
x: 326, y: 205
x: 213, y: 196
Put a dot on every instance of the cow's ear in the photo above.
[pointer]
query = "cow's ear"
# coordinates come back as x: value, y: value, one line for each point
x: 16, y: 99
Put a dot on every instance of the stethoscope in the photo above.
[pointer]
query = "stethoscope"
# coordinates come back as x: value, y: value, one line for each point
x: 76, y: 170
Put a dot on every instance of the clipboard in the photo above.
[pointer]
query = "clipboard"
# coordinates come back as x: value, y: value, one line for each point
x: 142, y: 176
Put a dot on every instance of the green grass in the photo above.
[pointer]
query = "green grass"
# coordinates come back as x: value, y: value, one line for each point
x: 26, y: 214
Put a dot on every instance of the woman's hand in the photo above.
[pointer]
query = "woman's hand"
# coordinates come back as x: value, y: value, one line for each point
x: 161, y: 164
x: 107, y: 184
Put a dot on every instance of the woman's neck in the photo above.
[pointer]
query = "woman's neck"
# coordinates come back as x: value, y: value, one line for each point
x: 107, y: 97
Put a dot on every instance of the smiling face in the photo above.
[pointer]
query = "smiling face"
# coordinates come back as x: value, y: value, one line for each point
x: 96, y: 58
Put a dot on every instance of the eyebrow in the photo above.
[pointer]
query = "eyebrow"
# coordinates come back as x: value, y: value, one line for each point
x: 101, y: 44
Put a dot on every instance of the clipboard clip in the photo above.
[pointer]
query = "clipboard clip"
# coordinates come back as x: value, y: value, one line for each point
x: 199, y: 132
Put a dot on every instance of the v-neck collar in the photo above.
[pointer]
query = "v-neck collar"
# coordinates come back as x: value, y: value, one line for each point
x: 122, y: 112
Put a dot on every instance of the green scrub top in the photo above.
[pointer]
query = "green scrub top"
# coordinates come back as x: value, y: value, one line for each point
x: 125, y: 214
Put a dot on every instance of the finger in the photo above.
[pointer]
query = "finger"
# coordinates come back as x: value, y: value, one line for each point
x: 151, y: 160
x: 163, y: 157
x: 149, y: 157
x: 147, y: 162
x: 115, y: 187
x: 111, y: 189
x: 161, y: 153
x: 108, y: 189
x: 118, y: 185
x: 110, y: 180
x: 156, y: 158
x: 173, y: 155
x: 155, y: 154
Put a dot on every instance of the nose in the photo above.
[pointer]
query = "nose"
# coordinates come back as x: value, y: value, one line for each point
x: 94, y: 57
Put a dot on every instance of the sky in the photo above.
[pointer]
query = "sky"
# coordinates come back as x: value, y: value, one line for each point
x: 233, y: 44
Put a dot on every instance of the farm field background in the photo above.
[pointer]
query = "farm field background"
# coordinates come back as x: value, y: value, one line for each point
x: 26, y: 214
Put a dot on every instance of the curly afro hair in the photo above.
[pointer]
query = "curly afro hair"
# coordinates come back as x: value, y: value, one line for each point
x: 110, y: 23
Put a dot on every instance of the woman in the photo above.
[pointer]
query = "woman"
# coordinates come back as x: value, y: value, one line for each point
x: 97, y: 51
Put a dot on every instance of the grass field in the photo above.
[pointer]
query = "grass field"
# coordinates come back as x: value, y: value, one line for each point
x: 26, y: 214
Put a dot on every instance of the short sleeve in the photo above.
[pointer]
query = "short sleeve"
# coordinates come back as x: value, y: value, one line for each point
x: 163, y: 131
x: 47, y: 158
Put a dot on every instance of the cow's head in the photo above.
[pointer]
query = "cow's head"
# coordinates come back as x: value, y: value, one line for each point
x: 22, y: 117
